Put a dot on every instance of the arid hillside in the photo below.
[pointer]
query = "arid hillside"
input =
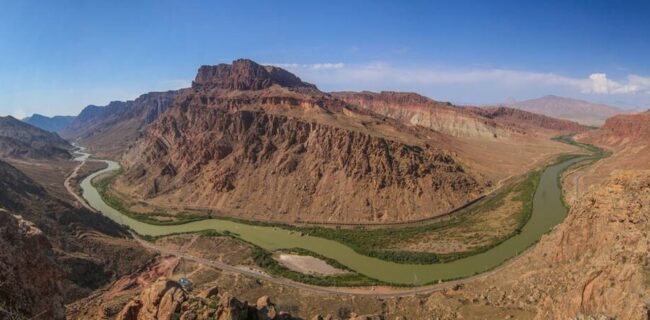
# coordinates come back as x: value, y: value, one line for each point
x: 29, y: 280
x: 111, y: 129
x: 19, y: 140
x: 627, y: 137
x: 447, y: 118
x: 80, y: 250
x: 258, y: 142
x: 622, y: 130
x: 497, y: 142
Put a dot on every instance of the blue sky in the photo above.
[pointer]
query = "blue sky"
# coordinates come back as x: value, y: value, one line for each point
x: 56, y: 57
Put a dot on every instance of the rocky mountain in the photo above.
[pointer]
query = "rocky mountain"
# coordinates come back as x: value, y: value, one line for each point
x: 111, y: 129
x: 29, y: 278
x: 412, y: 108
x: 21, y: 140
x: 52, y: 124
x: 584, y: 112
x: 246, y: 133
x: 57, y: 252
x: 623, y: 129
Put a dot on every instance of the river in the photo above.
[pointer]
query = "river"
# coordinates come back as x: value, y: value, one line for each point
x: 548, y: 211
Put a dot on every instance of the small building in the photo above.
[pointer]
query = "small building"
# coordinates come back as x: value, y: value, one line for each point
x: 185, y: 283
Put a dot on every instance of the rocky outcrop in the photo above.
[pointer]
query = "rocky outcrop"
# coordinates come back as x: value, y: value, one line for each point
x: 165, y: 299
x: 622, y: 130
x: 237, y: 151
x: 245, y: 74
x: 160, y: 301
x: 91, y: 250
x: 29, y: 277
x: 19, y: 140
x: 605, y: 238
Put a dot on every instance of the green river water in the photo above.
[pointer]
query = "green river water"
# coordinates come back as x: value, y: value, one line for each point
x: 548, y: 211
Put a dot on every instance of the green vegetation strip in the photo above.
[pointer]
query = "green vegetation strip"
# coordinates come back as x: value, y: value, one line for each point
x: 102, y: 186
x: 372, y: 242
x: 264, y: 259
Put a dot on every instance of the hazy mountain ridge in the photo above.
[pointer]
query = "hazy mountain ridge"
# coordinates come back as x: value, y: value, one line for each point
x: 52, y: 124
x: 447, y: 118
x: 584, y: 112
x: 114, y: 127
x: 24, y: 141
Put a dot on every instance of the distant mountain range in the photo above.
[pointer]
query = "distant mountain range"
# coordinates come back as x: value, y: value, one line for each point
x: 20, y: 140
x: 585, y: 112
x: 52, y: 124
x: 114, y: 127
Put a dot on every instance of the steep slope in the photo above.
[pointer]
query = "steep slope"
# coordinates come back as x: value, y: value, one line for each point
x: 21, y: 140
x: 90, y: 250
x: 109, y: 130
x: 622, y: 130
x: 51, y: 124
x: 580, y: 111
x: 246, y: 134
x: 497, y: 142
x: 626, y: 136
x: 29, y: 278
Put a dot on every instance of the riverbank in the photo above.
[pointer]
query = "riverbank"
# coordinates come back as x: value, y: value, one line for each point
x: 273, y: 238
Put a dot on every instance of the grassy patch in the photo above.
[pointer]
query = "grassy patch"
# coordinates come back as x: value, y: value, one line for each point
x: 371, y: 242
x: 264, y: 259
x: 102, y: 186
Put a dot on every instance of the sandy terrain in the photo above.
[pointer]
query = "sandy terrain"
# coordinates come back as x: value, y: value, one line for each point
x: 307, y: 264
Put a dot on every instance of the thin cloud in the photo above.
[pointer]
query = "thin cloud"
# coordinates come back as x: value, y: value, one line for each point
x: 382, y: 74
x: 314, y: 66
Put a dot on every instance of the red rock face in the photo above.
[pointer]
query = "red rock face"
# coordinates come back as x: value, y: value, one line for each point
x: 246, y: 75
x: 286, y: 153
x: 622, y: 130
x: 29, y: 280
x: 633, y: 126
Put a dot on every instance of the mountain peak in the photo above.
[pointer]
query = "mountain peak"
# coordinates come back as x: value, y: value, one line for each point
x: 244, y: 74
